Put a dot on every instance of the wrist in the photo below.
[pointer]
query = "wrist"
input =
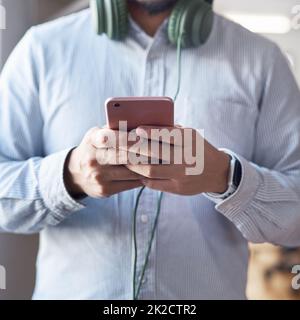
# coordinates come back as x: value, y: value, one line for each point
x: 223, y: 170
x: 72, y: 175
x: 234, y: 179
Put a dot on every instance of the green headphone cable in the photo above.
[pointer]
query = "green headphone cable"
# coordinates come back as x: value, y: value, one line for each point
x: 135, y: 240
x: 136, y: 290
x: 179, y: 51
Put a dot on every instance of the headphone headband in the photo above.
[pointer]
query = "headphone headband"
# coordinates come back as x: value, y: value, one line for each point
x: 190, y: 20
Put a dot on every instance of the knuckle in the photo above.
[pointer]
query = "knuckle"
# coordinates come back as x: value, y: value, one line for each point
x: 89, y: 134
x: 90, y: 163
x: 88, y: 175
x: 101, y: 176
x: 103, y: 137
x: 94, y: 177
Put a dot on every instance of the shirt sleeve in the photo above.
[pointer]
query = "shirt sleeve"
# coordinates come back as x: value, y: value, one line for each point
x: 32, y: 191
x: 266, y: 205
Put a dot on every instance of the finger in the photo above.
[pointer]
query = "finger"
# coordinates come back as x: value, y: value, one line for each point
x: 160, y: 185
x: 158, y: 171
x: 151, y: 155
x: 87, y: 137
x: 121, y: 173
x: 108, y: 138
x: 104, y: 139
x: 118, y: 157
x: 120, y: 186
x: 106, y: 156
x: 156, y: 152
x: 171, y: 135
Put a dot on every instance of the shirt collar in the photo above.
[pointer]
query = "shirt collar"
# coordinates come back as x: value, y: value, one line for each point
x: 143, y: 38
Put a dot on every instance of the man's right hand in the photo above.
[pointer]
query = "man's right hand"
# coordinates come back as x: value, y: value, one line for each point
x: 85, y: 176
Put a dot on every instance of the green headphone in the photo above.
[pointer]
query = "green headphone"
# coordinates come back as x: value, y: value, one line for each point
x: 190, y: 20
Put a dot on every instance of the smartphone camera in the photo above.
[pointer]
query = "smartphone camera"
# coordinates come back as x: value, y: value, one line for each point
x: 117, y: 105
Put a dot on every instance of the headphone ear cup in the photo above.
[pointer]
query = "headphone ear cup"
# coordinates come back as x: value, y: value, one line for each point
x: 193, y: 20
x: 174, y: 25
x: 110, y: 17
x: 120, y: 19
x: 97, y: 12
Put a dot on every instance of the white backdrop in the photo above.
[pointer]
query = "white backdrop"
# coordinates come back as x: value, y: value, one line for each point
x: 18, y: 253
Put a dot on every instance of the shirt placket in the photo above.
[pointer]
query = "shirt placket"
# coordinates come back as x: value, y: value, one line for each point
x: 153, y: 86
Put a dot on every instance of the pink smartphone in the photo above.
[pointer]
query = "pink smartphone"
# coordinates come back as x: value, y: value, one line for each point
x: 138, y: 111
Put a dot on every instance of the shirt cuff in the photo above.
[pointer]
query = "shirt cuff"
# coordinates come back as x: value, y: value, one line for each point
x: 52, y: 186
x: 235, y: 204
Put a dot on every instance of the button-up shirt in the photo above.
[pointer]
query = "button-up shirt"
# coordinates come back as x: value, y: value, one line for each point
x: 237, y: 87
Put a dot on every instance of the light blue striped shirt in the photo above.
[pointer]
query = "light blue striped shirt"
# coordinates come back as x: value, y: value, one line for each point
x: 237, y: 87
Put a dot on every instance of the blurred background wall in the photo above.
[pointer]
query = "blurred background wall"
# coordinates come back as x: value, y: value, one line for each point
x: 18, y: 253
x: 269, y: 275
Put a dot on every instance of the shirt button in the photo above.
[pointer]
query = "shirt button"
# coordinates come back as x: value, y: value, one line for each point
x: 144, y: 218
